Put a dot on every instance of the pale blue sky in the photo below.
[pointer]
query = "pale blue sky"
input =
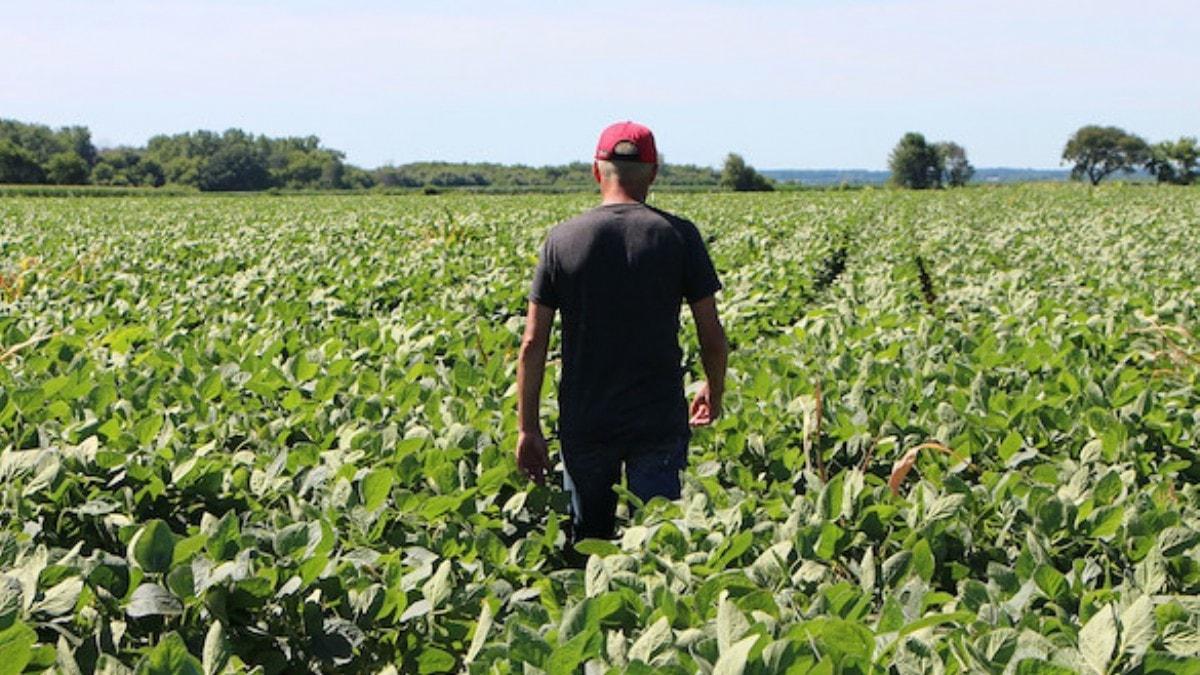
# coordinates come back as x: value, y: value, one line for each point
x: 816, y: 84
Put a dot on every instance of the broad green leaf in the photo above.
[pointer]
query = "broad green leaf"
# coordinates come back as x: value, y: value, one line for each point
x: 731, y: 624
x: 1138, y: 629
x: 1098, y: 639
x: 923, y: 562
x: 152, y: 600
x: 153, y: 547
x: 732, y: 661
x: 375, y: 488
x: 169, y: 657
x: 216, y: 650
x: 654, y: 638
x: 16, y: 643
x: 434, y: 660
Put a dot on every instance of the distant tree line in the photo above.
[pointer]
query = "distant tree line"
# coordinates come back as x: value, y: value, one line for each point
x: 233, y: 160
x: 574, y: 175
x: 1094, y: 152
x: 237, y: 160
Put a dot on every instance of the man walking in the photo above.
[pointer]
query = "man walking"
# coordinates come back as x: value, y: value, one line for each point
x: 619, y: 274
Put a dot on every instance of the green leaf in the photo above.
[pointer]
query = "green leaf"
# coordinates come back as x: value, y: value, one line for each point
x: 1162, y: 663
x: 731, y: 624
x: 1051, y: 582
x: 483, y: 625
x: 1106, y: 521
x: 59, y: 600
x: 923, y: 562
x: 732, y: 661
x: 16, y: 647
x: 1138, y: 629
x: 828, y: 543
x: 598, y: 547
x: 154, y: 547
x: 1011, y: 445
x: 170, y: 657
x: 216, y: 650
x: 654, y: 638
x: 152, y: 600
x: 376, y: 487
x: 1098, y: 639
x: 565, y: 658
x: 434, y: 660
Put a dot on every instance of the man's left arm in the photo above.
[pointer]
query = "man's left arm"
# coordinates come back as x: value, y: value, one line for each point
x: 533, y: 453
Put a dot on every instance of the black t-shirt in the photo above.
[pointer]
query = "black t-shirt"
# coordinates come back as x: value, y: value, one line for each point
x: 619, y: 274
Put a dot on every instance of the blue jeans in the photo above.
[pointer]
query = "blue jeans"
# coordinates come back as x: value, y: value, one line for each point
x: 592, y: 469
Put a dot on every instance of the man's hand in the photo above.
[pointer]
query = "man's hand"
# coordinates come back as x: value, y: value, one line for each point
x: 533, y: 457
x: 705, y: 408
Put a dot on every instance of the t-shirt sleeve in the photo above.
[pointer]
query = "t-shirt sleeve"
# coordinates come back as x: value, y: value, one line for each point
x: 699, y: 276
x: 543, y: 291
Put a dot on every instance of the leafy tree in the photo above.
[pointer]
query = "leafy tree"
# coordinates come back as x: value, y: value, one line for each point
x: 1175, y: 162
x: 738, y: 176
x: 127, y: 166
x: 956, y: 170
x: 103, y: 173
x: 1097, y: 152
x: 67, y: 168
x: 236, y: 167
x: 915, y: 163
x: 43, y: 142
x: 18, y: 165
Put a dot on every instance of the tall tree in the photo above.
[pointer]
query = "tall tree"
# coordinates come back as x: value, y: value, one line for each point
x: 67, y: 168
x: 741, y: 177
x: 1175, y: 162
x: 915, y: 163
x: 235, y: 167
x: 18, y: 165
x: 956, y: 170
x: 1097, y: 152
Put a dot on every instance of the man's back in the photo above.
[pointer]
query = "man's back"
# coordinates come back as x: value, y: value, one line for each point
x: 618, y: 274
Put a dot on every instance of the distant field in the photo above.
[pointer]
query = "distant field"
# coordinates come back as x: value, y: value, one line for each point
x: 277, y: 432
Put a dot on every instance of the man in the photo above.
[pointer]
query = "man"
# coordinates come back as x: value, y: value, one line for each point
x: 619, y: 274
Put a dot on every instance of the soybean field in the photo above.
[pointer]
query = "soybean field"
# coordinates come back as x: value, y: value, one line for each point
x: 275, y: 434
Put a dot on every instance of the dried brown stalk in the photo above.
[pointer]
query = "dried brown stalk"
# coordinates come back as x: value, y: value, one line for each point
x: 906, y: 462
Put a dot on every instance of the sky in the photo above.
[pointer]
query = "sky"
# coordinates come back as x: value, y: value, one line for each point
x: 801, y: 84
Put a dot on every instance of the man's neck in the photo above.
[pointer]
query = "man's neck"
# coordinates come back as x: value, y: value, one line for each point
x: 617, y: 195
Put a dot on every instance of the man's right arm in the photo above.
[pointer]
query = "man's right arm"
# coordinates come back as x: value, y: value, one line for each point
x: 714, y: 354
x: 533, y: 457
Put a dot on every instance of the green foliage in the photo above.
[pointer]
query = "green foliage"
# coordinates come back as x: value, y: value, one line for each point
x: 234, y: 167
x: 67, y: 168
x: 956, y: 170
x: 916, y: 164
x: 738, y: 176
x: 1175, y: 162
x: 1097, y: 152
x: 126, y: 167
x: 18, y: 165
x: 42, y: 142
x: 277, y: 433
x: 574, y: 176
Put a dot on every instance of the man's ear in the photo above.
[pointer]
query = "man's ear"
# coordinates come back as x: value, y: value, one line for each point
x: 654, y: 172
x: 596, y: 171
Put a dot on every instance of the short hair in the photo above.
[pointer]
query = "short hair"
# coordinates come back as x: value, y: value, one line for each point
x: 627, y: 173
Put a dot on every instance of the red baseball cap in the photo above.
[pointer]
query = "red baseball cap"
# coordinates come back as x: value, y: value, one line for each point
x: 636, y: 141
